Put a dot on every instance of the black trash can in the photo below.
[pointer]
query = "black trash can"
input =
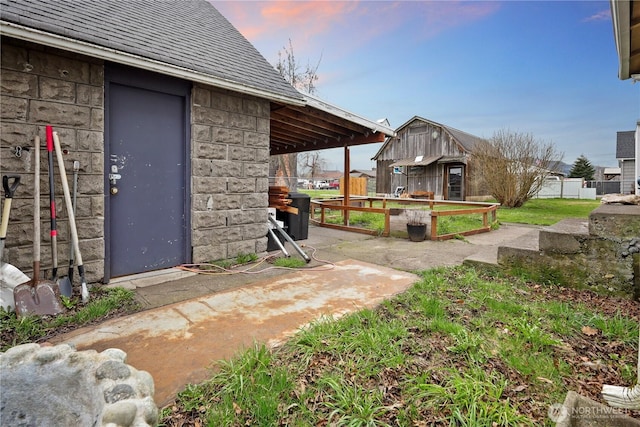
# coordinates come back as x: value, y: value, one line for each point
x: 297, y: 226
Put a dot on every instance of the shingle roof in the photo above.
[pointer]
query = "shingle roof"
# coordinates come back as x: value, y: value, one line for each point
x: 626, y: 145
x: 466, y: 140
x: 190, y: 34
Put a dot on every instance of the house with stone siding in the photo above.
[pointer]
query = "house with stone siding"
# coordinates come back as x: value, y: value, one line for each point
x: 172, y: 115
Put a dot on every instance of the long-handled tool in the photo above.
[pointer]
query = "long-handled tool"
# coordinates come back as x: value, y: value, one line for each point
x: 40, y: 297
x: 67, y: 282
x: 289, y: 239
x: 623, y: 397
x: 52, y: 212
x: 10, y: 276
x: 72, y: 218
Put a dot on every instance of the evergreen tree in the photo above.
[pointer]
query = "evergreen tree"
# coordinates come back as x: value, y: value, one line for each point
x: 582, y: 169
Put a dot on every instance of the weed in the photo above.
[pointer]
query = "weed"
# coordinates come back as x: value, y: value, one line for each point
x: 472, y: 398
x: 246, y: 258
x: 289, y: 262
x: 67, y: 302
x: 32, y: 328
x: 351, y: 405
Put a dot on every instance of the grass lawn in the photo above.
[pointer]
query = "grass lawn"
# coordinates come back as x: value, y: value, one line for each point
x: 462, y: 347
x: 548, y: 211
x: 535, y: 212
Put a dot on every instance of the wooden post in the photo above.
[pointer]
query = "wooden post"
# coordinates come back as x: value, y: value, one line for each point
x: 347, y: 188
x: 387, y: 224
x: 434, y: 226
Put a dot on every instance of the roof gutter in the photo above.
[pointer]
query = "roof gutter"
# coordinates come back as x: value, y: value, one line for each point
x: 65, y: 43
x: 620, y: 16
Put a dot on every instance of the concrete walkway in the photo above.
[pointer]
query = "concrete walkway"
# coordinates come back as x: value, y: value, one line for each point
x: 192, y: 320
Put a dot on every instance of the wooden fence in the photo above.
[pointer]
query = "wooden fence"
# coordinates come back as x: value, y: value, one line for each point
x: 358, y: 204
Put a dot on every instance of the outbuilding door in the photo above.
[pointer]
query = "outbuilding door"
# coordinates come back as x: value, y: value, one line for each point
x: 455, y: 183
x: 146, y: 168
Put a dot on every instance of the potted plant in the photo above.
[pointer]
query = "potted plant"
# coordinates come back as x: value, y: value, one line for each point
x: 416, y: 224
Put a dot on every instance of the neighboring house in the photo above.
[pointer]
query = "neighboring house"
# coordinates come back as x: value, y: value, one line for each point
x: 427, y: 156
x: 611, y: 174
x: 361, y: 173
x: 559, y: 168
x: 328, y: 175
x: 173, y: 116
x: 626, y: 155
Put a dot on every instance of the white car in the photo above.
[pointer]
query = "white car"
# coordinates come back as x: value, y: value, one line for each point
x: 321, y: 185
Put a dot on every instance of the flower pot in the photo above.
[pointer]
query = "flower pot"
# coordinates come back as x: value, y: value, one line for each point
x: 417, y: 232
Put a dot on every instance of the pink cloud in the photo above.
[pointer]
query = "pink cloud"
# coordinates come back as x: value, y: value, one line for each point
x: 353, y: 22
x: 603, y: 15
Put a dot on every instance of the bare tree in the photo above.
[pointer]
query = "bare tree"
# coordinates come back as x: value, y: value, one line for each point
x: 312, y: 163
x: 288, y: 67
x: 512, y: 166
x: 285, y: 165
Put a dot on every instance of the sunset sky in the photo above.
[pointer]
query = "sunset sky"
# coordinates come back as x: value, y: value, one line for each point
x: 545, y: 68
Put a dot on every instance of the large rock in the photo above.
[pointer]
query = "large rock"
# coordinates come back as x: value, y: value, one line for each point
x: 58, y: 386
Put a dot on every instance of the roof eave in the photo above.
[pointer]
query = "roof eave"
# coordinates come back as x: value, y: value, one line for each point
x: 10, y: 29
x: 620, y: 16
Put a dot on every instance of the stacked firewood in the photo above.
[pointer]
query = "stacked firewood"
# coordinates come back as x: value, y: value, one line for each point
x: 278, y: 198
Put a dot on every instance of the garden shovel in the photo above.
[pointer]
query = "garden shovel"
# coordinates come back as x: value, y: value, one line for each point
x: 72, y: 218
x: 39, y: 297
x: 10, y: 276
x: 66, y: 283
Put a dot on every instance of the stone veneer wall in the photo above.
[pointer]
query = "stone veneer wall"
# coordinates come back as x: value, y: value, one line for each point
x: 41, y: 86
x: 230, y: 167
x: 230, y: 159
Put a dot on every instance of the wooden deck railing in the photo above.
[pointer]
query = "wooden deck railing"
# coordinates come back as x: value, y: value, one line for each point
x: 332, y: 204
x: 357, y: 204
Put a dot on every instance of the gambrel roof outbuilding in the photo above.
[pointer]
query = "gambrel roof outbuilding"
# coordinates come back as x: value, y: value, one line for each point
x: 465, y: 140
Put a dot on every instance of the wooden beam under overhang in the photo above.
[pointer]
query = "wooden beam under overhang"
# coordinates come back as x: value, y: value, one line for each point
x: 297, y: 126
x: 326, y: 117
x: 361, y: 139
x: 334, y: 125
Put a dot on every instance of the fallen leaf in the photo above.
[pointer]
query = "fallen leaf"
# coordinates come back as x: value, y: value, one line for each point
x: 546, y: 380
x: 520, y: 388
x: 588, y: 330
x: 237, y: 408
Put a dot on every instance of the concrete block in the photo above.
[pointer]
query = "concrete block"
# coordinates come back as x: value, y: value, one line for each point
x: 226, y: 135
x: 201, y: 97
x: 564, y: 237
x: 12, y: 108
x: 209, y: 116
x: 19, y: 84
x: 210, y: 151
x: 57, y: 113
x: 611, y: 221
x: 58, y: 90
